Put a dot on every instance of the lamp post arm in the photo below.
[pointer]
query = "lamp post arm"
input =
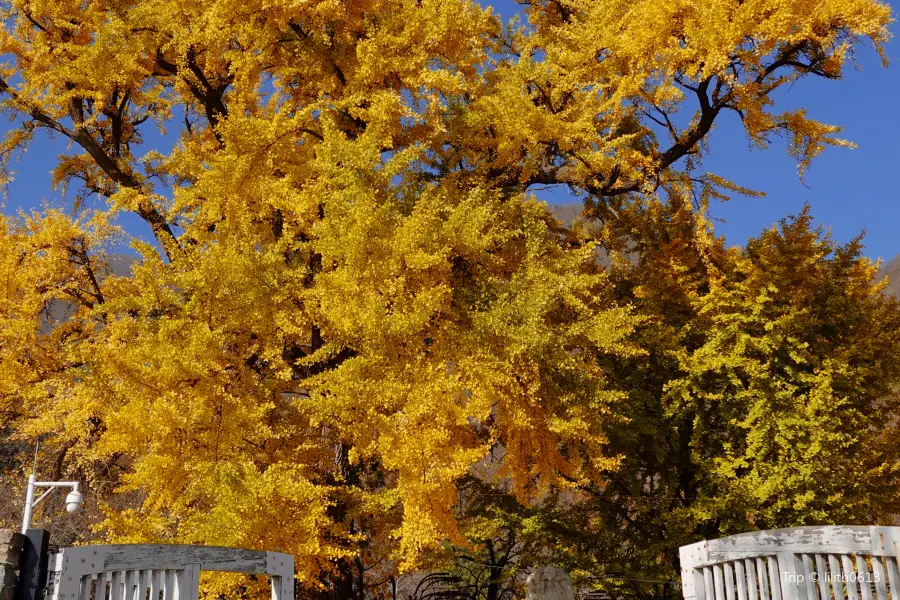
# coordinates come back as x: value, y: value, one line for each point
x: 30, y: 502
x: 55, y: 484
x: 42, y: 496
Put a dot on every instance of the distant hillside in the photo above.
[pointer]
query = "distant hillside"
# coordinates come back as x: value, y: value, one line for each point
x: 120, y: 264
x: 567, y: 213
x: 891, y: 269
x: 60, y: 310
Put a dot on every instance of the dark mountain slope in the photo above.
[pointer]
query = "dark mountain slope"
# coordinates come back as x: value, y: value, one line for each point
x: 891, y: 270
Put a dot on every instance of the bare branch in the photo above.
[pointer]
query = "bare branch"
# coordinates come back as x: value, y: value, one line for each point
x: 160, y: 227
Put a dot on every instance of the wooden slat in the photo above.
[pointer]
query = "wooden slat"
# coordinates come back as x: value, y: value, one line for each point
x: 148, y: 572
x: 708, y: 585
x: 287, y: 585
x: 144, y: 576
x: 84, y: 587
x: 729, y: 581
x: 282, y: 565
x: 862, y: 572
x: 774, y: 579
x: 174, y: 556
x: 169, y: 585
x: 788, y: 566
x: 691, y: 558
x: 880, y: 578
x: 692, y: 577
x: 822, y: 572
x: 130, y: 589
x: 740, y: 580
x: 143, y: 584
x: 187, y: 583
x: 850, y: 577
x: 276, y: 588
x: 750, y: 569
x: 718, y: 581
x: 762, y: 574
x: 155, y: 585
x: 837, y: 578
x: 809, y: 579
x: 115, y: 590
x: 839, y: 557
x: 194, y: 579
x: 142, y: 579
x: 893, y: 576
x: 181, y: 585
x: 829, y: 539
x: 100, y: 589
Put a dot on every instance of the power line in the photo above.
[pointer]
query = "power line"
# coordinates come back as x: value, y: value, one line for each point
x: 663, y: 581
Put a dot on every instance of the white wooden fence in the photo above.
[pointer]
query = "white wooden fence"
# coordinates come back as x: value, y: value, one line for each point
x: 158, y: 572
x: 798, y: 563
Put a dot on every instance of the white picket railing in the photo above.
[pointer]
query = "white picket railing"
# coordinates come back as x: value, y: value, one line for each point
x: 158, y: 571
x: 797, y: 563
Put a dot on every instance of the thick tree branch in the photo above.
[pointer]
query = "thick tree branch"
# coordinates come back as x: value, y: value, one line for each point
x: 84, y: 260
x: 610, y: 186
x: 686, y: 143
x: 145, y: 208
x: 211, y: 95
x: 708, y: 113
x: 158, y: 224
x: 785, y: 57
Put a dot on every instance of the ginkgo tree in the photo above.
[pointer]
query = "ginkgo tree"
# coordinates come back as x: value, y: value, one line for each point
x: 766, y: 398
x: 348, y: 298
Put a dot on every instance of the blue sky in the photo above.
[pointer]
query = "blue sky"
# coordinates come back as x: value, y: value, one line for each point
x: 849, y: 190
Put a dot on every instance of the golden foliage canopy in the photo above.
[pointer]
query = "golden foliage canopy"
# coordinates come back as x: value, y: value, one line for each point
x: 764, y: 400
x: 349, y: 298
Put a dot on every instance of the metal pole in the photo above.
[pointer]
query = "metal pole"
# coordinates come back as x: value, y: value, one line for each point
x: 29, y: 505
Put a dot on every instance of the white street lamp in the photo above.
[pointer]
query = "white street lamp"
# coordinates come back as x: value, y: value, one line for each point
x: 73, y: 499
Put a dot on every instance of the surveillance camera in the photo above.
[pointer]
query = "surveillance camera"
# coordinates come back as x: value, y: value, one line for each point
x: 73, y: 501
